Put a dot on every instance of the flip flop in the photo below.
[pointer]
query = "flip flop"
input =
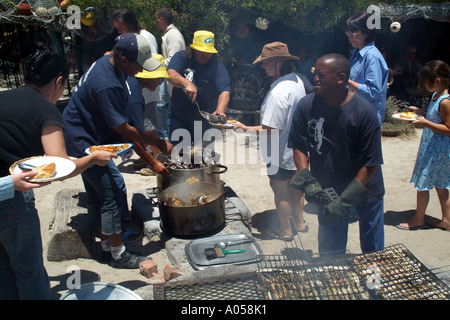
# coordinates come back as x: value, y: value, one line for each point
x: 147, y: 172
x: 275, y: 235
x: 425, y: 226
x: 440, y: 224
x: 304, y: 230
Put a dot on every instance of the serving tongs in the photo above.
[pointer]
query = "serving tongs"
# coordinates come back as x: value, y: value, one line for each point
x: 332, y: 194
x: 206, y: 115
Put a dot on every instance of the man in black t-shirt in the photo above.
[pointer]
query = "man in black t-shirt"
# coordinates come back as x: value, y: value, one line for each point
x: 337, y: 132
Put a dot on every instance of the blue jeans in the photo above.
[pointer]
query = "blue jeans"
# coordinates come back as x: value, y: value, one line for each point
x: 333, y: 233
x: 162, y: 109
x: 22, y: 271
x: 106, y: 198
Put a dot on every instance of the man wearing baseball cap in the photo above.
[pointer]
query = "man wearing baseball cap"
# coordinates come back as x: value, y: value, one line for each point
x: 96, y: 115
x: 197, y: 76
x: 140, y: 86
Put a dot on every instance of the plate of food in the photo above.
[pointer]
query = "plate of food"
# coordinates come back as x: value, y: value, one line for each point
x: 117, y: 148
x: 406, y: 116
x: 229, y: 124
x: 48, y: 168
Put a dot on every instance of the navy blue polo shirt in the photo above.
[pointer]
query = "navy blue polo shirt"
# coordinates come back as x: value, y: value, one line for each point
x: 97, y: 105
x: 211, y: 79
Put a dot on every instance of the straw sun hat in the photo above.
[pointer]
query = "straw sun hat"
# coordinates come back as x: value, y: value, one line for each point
x: 275, y: 51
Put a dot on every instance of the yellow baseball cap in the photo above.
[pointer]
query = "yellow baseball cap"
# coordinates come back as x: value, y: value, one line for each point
x: 203, y: 41
x: 160, y: 72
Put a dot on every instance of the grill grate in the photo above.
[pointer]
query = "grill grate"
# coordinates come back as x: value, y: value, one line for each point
x: 390, y: 274
x: 236, y: 287
x: 286, y: 279
x: 395, y: 273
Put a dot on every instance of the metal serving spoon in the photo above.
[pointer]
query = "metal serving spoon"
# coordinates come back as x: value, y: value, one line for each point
x: 208, y: 116
x: 223, y: 245
x: 25, y: 166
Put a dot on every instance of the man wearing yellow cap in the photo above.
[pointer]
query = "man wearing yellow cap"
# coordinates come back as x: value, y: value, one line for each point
x: 150, y: 80
x: 197, y: 75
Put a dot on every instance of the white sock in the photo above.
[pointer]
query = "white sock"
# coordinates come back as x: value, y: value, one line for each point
x: 105, y: 245
x: 116, y: 252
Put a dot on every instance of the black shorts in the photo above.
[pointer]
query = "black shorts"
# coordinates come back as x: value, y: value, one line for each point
x: 281, y: 174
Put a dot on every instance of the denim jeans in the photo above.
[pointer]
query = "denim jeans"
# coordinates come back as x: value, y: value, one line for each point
x: 162, y: 109
x: 106, y: 198
x: 333, y: 233
x: 22, y: 271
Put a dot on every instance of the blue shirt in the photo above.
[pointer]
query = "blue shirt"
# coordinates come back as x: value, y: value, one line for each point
x: 6, y: 188
x: 97, y: 105
x: 339, y: 141
x: 369, y: 69
x: 211, y: 79
x: 135, y: 104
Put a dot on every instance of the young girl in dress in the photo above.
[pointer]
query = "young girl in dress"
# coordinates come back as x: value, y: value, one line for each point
x: 432, y: 167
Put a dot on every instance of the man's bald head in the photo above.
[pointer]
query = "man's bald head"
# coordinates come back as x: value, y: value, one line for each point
x: 337, y: 62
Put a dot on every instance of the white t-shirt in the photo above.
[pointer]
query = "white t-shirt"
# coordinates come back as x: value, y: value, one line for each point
x: 150, y: 96
x: 172, y: 42
x: 277, y: 111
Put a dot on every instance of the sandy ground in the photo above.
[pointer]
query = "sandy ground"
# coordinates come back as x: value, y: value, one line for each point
x: 429, y: 246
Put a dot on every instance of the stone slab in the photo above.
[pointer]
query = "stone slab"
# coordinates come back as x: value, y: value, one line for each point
x: 70, y: 237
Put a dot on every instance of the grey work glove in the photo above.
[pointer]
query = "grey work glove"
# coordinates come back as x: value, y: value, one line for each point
x: 353, y: 194
x: 303, y: 180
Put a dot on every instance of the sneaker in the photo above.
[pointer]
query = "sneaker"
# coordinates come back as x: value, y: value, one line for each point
x: 128, y: 261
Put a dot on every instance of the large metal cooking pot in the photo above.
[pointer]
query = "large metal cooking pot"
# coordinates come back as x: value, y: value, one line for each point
x: 206, y: 174
x: 191, y: 220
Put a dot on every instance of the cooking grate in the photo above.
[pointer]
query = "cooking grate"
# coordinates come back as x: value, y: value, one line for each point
x: 287, y: 279
x: 390, y: 274
x: 235, y: 287
x: 396, y: 274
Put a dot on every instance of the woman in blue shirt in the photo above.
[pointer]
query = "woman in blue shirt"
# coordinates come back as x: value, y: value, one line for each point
x: 369, y: 71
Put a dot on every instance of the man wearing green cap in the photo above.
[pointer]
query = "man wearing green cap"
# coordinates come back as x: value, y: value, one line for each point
x: 197, y: 75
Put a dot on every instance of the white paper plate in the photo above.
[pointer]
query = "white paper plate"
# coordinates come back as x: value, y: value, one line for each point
x: 64, y: 167
x: 100, y: 291
x: 130, y: 145
x: 397, y: 116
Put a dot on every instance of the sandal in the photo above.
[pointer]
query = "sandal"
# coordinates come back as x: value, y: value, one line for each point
x: 410, y: 228
x: 147, y: 172
x: 275, y: 235
x: 140, y: 163
x: 440, y: 224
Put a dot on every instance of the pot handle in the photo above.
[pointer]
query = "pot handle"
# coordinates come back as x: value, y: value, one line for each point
x: 153, y: 193
x: 225, y: 168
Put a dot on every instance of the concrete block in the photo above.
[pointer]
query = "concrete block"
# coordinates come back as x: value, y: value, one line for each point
x: 70, y: 237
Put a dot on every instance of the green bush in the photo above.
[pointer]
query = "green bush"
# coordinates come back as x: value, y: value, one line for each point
x: 390, y: 124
